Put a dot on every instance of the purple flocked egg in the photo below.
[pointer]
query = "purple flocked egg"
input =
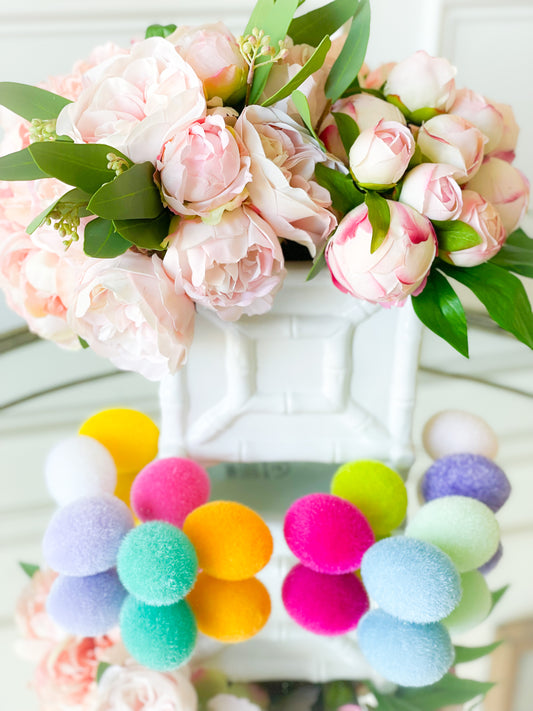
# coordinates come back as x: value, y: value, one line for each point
x: 493, y: 562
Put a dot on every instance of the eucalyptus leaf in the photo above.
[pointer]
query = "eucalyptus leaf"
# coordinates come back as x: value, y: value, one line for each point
x: 74, y: 197
x: 313, y: 64
x: 344, y: 194
x: 302, y: 106
x: 29, y: 568
x: 314, y: 25
x: 146, y: 234
x: 516, y: 255
x: 502, y: 294
x: 131, y: 195
x: 455, y: 235
x: 470, y: 654
x: 440, y: 309
x: 350, y: 60
x: 379, y: 218
x: 319, y: 263
x: 159, y: 30
x: 348, y: 130
x: 20, y: 166
x: 30, y: 102
x: 102, y: 240
x: 497, y: 595
x: 446, y: 692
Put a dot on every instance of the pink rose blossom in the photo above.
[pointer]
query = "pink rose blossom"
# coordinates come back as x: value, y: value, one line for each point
x: 233, y: 268
x: 380, y: 155
x: 422, y: 81
x: 483, y: 217
x: 505, y: 187
x: 129, y: 311
x: 283, y: 188
x: 507, y: 144
x: 134, y: 101
x: 39, y: 631
x: 482, y: 114
x: 377, y: 77
x: 455, y: 141
x: 204, y: 169
x: 213, y: 53
x: 132, y: 687
x: 398, y: 267
x: 430, y: 189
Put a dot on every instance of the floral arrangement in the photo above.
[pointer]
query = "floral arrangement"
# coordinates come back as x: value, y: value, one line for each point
x: 185, y: 171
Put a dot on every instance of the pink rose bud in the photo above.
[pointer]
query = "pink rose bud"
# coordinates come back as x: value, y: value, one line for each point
x: 366, y: 110
x: 482, y: 113
x: 483, y: 217
x: 204, y: 169
x: 422, y: 81
x: 398, y: 267
x: 380, y: 155
x: 377, y: 77
x: 431, y: 190
x: 505, y: 187
x: 507, y: 145
x: 453, y: 140
x: 213, y: 53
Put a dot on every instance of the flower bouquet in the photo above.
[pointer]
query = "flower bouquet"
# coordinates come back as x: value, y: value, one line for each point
x: 186, y: 171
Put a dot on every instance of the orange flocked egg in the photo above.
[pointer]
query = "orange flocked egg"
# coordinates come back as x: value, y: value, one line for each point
x: 232, y: 542
x: 229, y: 611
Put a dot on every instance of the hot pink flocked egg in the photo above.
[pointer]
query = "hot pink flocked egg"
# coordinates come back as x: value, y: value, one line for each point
x: 327, y: 534
x: 169, y: 489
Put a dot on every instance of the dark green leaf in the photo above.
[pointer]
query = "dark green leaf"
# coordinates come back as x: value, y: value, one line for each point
x: 350, y: 60
x: 516, y: 255
x: 313, y: 26
x: 102, y: 240
x: 446, y: 692
x: 440, y: 309
x: 348, y: 130
x: 302, y: 106
x: 502, y: 294
x: 102, y: 666
x: 344, y: 194
x: 79, y: 164
x: 470, y: 654
x: 393, y: 703
x: 319, y: 263
x: 83, y: 343
x: 379, y: 218
x: 73, y: 197
x: 29, y: 568
x: 455, y: 235
x: 147, y: 234
x: 337, y: 694
x: 497, y: 596
x: 20, y: 166
x: 159, y: 31
x: 31, y: 102
x: 131, y: 195
x: 313, y: 64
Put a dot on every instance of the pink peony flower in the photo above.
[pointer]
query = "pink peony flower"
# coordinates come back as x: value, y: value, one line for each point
x: 507, y: 144
x: 380, y: 155
x: 283, y: 160
x: 430, y: 189
x: 455, y: 141
x: 129, y: 311
x: 482, y: 114
x: 398, y: 267
x: 233, y: 268
x: 39, y: 632
x: 213, y: 53
x: 483, y: 217
x: 505, y: 187
x: 132, y: 687
x: 422, y: 81
x: 133, y: 102
x: 204, y: 169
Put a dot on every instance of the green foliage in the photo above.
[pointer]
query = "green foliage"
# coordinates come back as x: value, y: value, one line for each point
x: 147, y: 234
x: 325, y: 20
x: 302, y: 106
x: 159, y: 30
x: 348, y: 130
x: 102, y: 666
x: 102, y: 240
x: 497, y: 596
x: 470, y: 654
x: 350, y: 60
x: 30, y: 102
x: 74, y: 199
x: 20, y: 166
x: 455, y: 235
x: 379, y: 218
x: 516, y: 255
x: 318, y: 264
x: 337, y: 694
x: 132, y: 195
x: 29, y: 568
x: 446, y: 692
x: 344, y: 193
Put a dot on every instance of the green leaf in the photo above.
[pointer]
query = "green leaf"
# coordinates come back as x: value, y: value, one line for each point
x: 73, y: 197
x: 393, y: 703
x: 502, y: 294
x: 350, y: 60
x: 348, y: 130
x: 102, y: 240
x: 300, y: 102
x: 83, y: 343
x: 338, y: 693
x: 344, y: 194
x: 79, y: 164
x: 313, y: 64
x: 440, y: 309
x: 147, y: 234
x: 131, y: 195
x: 319, y: 263
x: 455, y: 235
x: 159, y: 30
x: 420, y: 115
x: 446, y: 692
x: 102, y: 666
x: 497, y: 595
x: 470, y: 654
x: 29, y: 568
x: 313, y: 26
x: 379, y: 218
x: 516, y: 255
x: 20, y: 166
x: 31, y: 102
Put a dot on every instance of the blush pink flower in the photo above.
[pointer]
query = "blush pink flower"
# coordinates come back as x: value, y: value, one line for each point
x: 398, y: 268
x: 232, y: 268
x: 482, y: 114
x: 204, y: 169
x: 380, y: 155
x: 483, y: 217
x: 507, y: 144
x: 375, y: 78
x: 129, y: 311
x: 39, y: 632
x: 422, y: 81
x: 430, y: 189
x: 283, y: 189
x: 134, y: 101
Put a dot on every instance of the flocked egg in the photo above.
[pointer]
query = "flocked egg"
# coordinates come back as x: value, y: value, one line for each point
x: 456, y: 431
